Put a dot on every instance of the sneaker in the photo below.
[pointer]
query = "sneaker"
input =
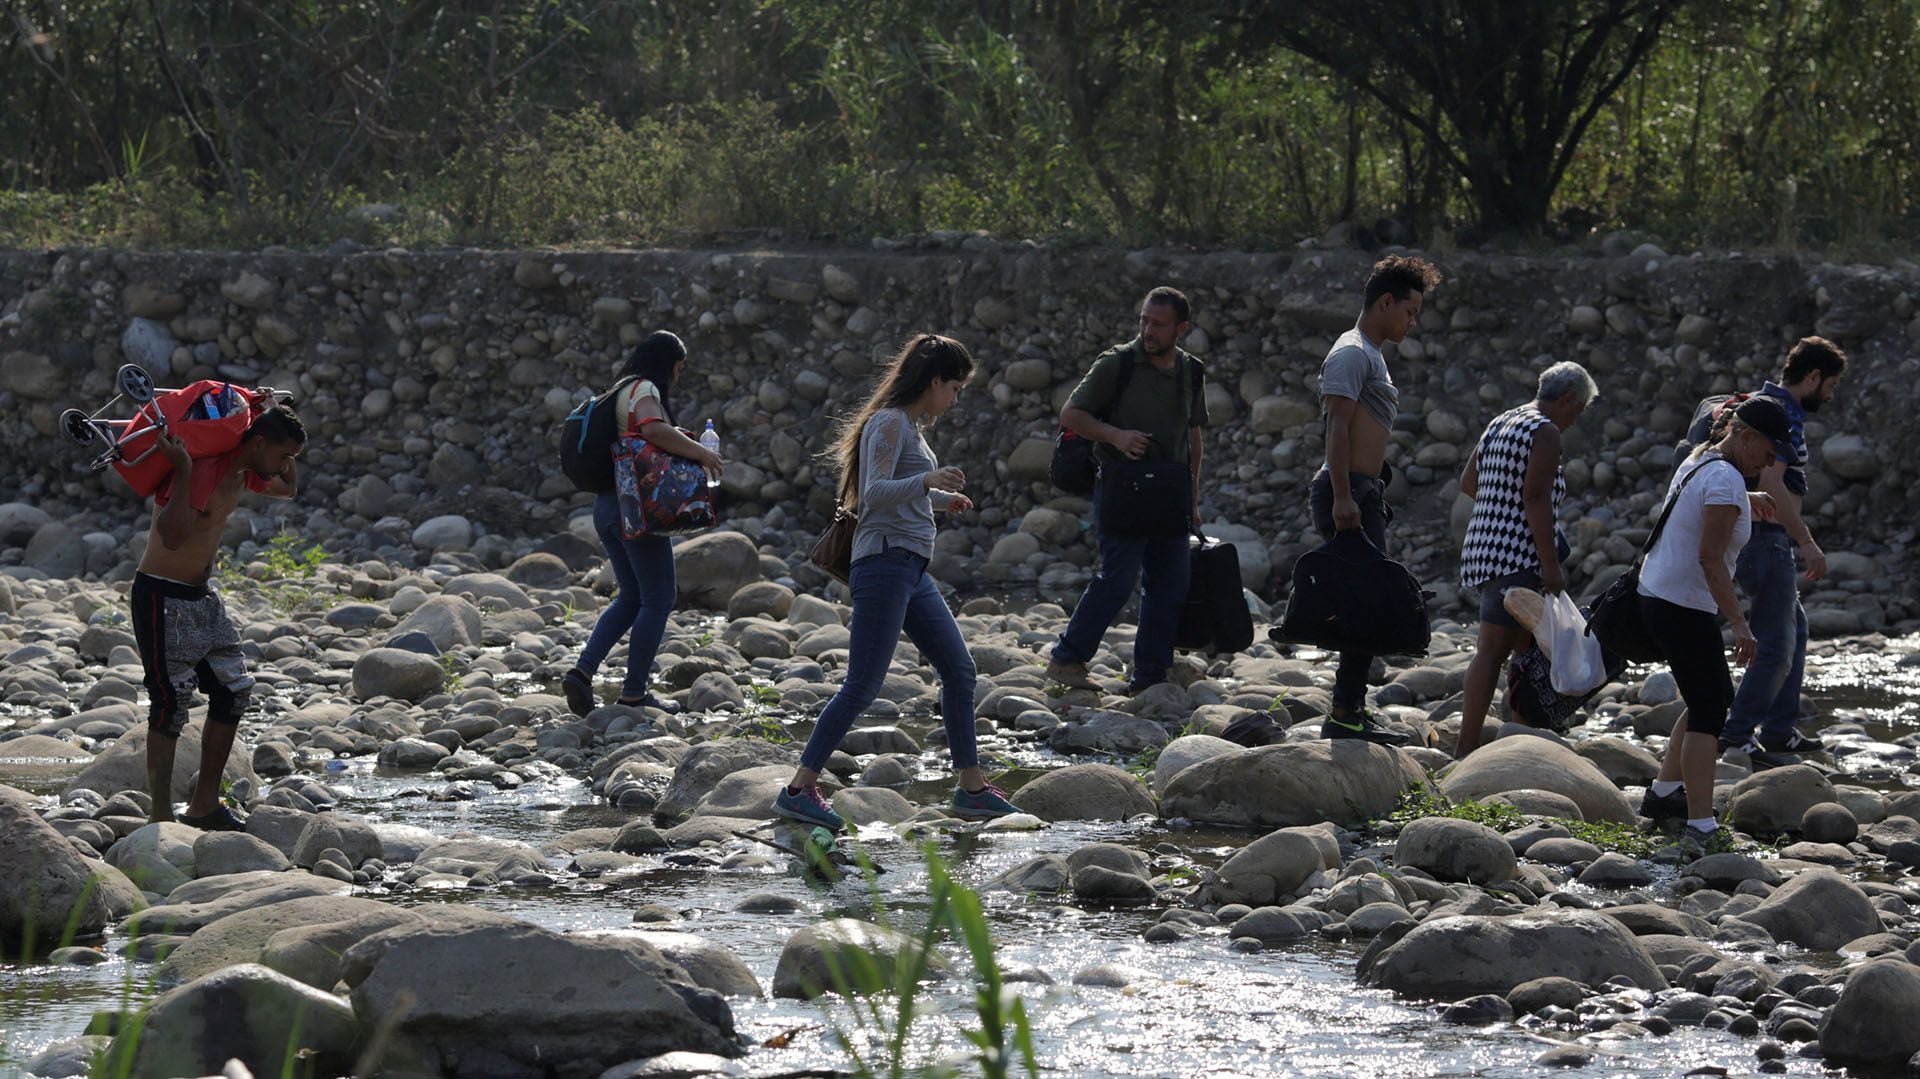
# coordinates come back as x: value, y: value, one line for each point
x: 220, y: 819
x: 1659, y: 807
x: 808, y: 806
x: 650, y: 701
x: 579, y: 692
x: 1794, y: 742
x: 1695, y: 843
x: 1071, y: 674
x: 1362, y: 726
x: 983, y: 804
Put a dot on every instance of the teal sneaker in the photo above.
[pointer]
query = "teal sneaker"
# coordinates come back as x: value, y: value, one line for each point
x: 808, y: 806
x: 984, y: 804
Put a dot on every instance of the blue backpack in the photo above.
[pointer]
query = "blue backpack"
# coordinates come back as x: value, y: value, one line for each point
x: 586, y: 440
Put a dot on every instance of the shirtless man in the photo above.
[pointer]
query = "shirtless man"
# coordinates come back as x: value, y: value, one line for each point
x: 179, y: 623
x: 1350, y: 491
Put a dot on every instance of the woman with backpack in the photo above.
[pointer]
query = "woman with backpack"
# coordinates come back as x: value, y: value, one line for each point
x: 642, y: 566
x: 890, y: 477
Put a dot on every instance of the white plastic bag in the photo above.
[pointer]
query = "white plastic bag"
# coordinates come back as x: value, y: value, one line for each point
x: 1578, y: 663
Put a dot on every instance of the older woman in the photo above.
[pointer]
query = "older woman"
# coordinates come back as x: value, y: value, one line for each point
x: 1515, y: 482
x: 1686, y: 588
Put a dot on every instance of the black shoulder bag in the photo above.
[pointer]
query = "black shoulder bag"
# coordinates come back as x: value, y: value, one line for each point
x: 1073, y: 469
x: 1616, y: 619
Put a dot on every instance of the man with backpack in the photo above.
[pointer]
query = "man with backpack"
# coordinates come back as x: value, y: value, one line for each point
x: 1142, y: 404
x: 1766, y: 707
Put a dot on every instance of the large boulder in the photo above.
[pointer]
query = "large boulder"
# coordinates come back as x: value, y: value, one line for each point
x: 157, y: 857
x: 1273, y: 867
x: 845, y: 955
x: 241, y: 936
x: 448, y: 621
x: 1872, y: 1022
x: 1085, y: 792
x: 311, y: 952
x: 1817, y: 909
x: 48, y: 895
x: 1187, y: 750
x: 1511, y: 764
x: 709, y: 963
x: 1776, y: 799
x: 488, y: 586
x: 705, y: 765
x: 195, y: 905
x: 473, y: 995
x: 1451, y: 849
x: 747, y: 793
x: 246, y: 1013
x: 708, y: 569
x: 396, y: 672
x: 123, y: 766
x: 1343, y: 781
x: 1458, y: 956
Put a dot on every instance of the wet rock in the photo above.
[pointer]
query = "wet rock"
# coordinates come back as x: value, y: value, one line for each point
x: 1458, y: 850
x: 1271, y: 868
x: 1539, y: 803
x: 1045, y: 873
x: 311, y: 953
x: 218, y: 853
x: 1531, y: 996
x: 1345, y: 782
x: 747, y: 793
x: 246, y: 1013
x: 710, y: 965
x: 395, y: 672
x: 504, y: 997
x: 1099, y: 884
x: 1279, y: 925
x: 1085, y: 792
x: 49, y: 886
x: 157, y: 857
x: 1775, y: 800
x: 1476, y: 1010
x: 1187, y: 750
x: 710, y: 568
x: 1817, y: 909
x: 843, y: 955
x: 241, y: 936
x: 871, y: 805
x: 1829, y: 822
x: 1538, y: 764
x: 448, y: 621
x: 123, y: 765
x: 1727, y: 871
x: 1452, y: 957
x: 1872, y: 1022
x: 68, y: 1058
x: 1615, y: 870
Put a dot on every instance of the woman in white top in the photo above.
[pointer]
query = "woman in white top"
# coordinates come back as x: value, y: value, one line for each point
x: 642, y: 566
x: 1686, y: 587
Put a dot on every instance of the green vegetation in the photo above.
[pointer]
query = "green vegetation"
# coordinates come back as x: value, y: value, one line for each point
x: 286, y: 571
x: 1424, y: 800
x: 216, y: 123
x: 761, y: 717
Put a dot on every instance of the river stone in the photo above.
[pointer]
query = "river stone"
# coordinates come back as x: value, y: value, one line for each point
x: 49, y: 890
x: 310, y: 953
x: 862, y: 806
x: 1279, y: 925
x: 1044, y: 873
x: 1849, y: 456
x: 707, y: 764
x: 1458, y: 956
x: 1728, y: 870
x: 246, y: 1013
x: 1098, y: 883
x: 396, y: 672
x: 69, y: 1058
x: 336, y: 831
x: 219, y: 853
x: 477, y: 996
x: 241, y: 936
x: 844, y: 954
x: 1652, y: 919
x: 200, y: 903
x: 1085, y: 792
x: 1343, y: 781
x: 412, y: 753
x: 1188, y: 749
x: 809, y: 610
x: 1774, y: 801
x: 711, y: 965
x: 447, y: 532
x: 1873, y: 1021
x: 1539, y: 764
x: 710, y: 568
x: 1538, y: 803
x: 1456, y: 850
x: 1615, y: 870
x: 1562, y: 850
x: 1817, y: 909
x: 157, y: 857
x: 123, y: 766
x: 1622, y: 762
x: 489, y: 586
x: 476, y: 856
x: 449, y: 621
x: 767, y: 599
x: 1531, y: 996
x: 1270, y: 868
x: 1829, y: 822
x: 747, y: 793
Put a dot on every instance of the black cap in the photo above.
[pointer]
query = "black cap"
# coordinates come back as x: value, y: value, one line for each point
x: 1769, y: 417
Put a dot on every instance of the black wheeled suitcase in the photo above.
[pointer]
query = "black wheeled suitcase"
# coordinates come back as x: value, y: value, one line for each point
x: 1215, y: 617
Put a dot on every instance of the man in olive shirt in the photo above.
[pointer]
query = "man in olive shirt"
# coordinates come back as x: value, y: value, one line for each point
x: 1156, y: 416
x: 1359, y: 399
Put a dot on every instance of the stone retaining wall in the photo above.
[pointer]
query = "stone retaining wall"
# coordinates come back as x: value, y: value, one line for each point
x: 433, y: 382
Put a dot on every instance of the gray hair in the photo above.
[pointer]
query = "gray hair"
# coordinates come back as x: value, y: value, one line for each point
x: 1564, y: 378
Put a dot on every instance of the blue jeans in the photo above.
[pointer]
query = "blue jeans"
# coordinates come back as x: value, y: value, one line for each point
x: 1370, y: 494
x: 1769, y: 695
x: 644, y: 569
x: 1162, y: 565
x: 891, y: 592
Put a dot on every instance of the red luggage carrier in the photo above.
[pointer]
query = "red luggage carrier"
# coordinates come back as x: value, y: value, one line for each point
x: 209, y: 416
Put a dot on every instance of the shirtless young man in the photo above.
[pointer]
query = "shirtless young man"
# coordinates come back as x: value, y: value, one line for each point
x: 1350, y: 492
x: 179, y: 623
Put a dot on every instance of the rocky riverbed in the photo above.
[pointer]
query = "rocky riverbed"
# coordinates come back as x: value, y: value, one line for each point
x: 447, y: 871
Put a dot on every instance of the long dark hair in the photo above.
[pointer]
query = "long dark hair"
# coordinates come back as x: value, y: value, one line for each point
x: 925, y: 357
x: 654, y: 360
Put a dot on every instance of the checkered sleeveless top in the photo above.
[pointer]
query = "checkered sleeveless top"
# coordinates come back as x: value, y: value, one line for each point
x: 1498, y: 539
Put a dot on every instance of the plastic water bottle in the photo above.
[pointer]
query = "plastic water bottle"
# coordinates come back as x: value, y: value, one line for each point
x: 710, y: 441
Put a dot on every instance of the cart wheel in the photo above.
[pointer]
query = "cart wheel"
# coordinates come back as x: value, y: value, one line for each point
x: 75, y: 423
x: 136, y: 383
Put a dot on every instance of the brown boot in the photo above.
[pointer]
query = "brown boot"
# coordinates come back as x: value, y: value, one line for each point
x: 1071, y: 674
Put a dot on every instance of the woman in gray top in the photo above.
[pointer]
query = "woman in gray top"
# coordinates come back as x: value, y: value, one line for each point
x: 889, y: 476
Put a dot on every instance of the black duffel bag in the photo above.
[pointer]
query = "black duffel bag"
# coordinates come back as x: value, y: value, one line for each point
x: 1145, y: 498
x: 1348, y: 596
x: 1215, y: 617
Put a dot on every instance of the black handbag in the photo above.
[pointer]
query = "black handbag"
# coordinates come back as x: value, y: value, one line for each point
x: 1215, y: 617
x: 1616, y: 619
x: 1348, y: 596
x: 1151, y: 499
